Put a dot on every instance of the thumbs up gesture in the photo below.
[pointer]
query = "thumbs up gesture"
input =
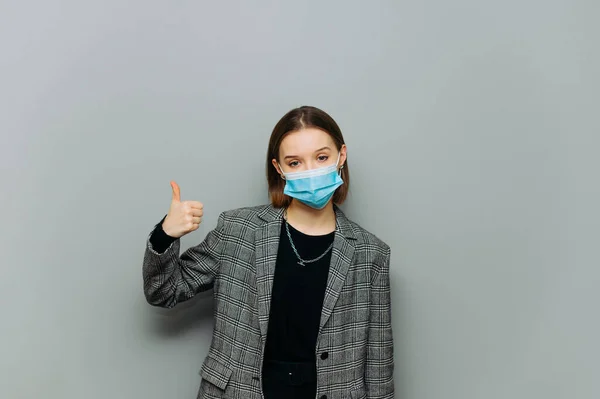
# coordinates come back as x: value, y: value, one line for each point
x: 183, y: 217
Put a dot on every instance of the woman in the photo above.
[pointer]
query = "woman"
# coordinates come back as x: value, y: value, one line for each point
x: 302, y: 294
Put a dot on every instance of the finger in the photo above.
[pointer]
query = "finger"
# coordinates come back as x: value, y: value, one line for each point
x: 176, y: 193
x: 195, y: 204
x: 196, y: 220
x: 196, y: 212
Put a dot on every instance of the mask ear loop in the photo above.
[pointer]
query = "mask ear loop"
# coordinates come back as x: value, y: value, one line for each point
x: 280, y: 169
x: 338, y: 161
x: 341, y: 167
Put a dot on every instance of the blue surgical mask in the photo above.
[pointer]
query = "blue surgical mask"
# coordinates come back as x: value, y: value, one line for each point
x: 313, y: 187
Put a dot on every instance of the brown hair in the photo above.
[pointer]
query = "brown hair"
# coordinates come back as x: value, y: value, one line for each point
x: 296, y: 119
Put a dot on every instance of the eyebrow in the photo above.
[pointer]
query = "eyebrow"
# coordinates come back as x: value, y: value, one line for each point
x: 296, y: 156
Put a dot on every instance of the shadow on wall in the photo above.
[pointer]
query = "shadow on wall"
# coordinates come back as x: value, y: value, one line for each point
x: 194, y: 314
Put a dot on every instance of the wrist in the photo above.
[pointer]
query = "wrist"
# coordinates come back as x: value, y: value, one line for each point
x: 166, y: 228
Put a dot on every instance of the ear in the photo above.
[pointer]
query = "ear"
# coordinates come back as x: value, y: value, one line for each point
x: 276, y: 166
x: 343, y: 155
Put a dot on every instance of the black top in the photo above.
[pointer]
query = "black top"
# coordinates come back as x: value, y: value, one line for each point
x: 297, y: 296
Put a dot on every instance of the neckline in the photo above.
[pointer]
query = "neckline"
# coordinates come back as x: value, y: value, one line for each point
x: 317, y: 236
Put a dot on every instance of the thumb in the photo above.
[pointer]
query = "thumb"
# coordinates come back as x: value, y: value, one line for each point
x: 176, y: 194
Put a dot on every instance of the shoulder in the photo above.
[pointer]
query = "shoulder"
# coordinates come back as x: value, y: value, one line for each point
x: 375, y: 250
x: 240, y: 222
x: 245, y: 212
x: 249, y: 215
x: 368, y: 238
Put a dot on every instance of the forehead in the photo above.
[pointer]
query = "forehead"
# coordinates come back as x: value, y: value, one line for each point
x: 305, y: 141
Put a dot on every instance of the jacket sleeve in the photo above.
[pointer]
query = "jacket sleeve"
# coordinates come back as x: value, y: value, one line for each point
x: 170, y: 278
x: 379, y: 367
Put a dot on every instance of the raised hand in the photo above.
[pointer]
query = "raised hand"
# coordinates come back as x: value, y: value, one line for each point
x: 184, y: 216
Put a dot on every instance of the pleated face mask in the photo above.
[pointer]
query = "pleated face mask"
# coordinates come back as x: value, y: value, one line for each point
x: 313, y: 187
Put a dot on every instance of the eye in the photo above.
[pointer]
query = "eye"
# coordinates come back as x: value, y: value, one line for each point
x: 323, y: 158
x: 293, y: 164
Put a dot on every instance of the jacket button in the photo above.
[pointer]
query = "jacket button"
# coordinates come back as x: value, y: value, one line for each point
x: 323, y: 397
x: 324, y: 355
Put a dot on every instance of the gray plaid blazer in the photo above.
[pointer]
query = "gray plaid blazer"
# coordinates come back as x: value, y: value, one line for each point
x: 237, y: 259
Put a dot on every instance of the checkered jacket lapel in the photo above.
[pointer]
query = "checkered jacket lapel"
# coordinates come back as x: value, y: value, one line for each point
x: 267, y: 243
x: 341, y: 256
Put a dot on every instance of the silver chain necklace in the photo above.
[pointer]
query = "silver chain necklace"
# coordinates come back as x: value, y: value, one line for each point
x: 301, y: 261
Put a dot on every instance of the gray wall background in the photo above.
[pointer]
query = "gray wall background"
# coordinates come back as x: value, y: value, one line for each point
x: 472, y: 131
